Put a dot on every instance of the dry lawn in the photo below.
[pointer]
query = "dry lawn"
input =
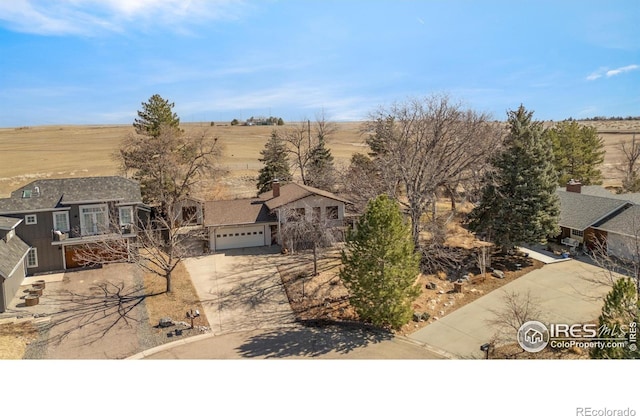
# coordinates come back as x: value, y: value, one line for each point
x: 174, y: 305
x: 14, y: 338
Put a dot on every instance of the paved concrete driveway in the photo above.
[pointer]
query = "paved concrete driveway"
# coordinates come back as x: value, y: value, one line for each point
x: 241, y: 289
x: 565, y: 291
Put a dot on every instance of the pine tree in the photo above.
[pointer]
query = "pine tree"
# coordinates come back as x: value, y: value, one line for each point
x: 157, y: 113
x: 276, y: 163
x: 320, y: 169
x: 620, y: 310
x: 519, y: 204
x: 578, y: 152
x: 380, y: 266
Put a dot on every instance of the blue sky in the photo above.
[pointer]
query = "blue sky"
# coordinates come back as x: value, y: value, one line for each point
x: 95, y: 61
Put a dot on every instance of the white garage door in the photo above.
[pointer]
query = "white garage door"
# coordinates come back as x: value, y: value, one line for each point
x: 238, y: 237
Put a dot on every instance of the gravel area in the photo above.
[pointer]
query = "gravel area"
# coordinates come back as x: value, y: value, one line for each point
x: 76, y: 320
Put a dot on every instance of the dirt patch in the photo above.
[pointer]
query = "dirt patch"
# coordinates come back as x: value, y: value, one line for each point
x: 173, y: 305
x: 14, y: 339
x: 515, y: 352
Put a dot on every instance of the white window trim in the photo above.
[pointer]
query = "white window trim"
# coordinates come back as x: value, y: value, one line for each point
x: 83, y: 226
x: 35, y: 258
x: 127, y: 208
x: 55, y: 222
x: 31, y: 219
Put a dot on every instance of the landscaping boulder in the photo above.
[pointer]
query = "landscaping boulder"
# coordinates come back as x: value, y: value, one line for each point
x: 498, y: 273
x: 165, y: 322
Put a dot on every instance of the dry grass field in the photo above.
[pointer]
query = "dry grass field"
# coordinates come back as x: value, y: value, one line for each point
x: 27, y: 153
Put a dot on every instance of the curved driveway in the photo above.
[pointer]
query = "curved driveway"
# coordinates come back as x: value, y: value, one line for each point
x: 566, y: 292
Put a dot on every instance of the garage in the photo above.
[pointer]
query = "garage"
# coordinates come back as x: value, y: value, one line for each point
x: 224, y: 238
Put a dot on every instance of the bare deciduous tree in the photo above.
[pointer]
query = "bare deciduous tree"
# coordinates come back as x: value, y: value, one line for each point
x: 300, y: 144
x: 426, y: 144
x: 301, y: 230
x: 168, y: 166
x: 304, y: 140
x: 628, y: 165
x: 159, y: 245
x: 517, y: 309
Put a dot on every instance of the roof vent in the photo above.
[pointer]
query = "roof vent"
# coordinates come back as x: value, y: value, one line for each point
x: 36, y: 191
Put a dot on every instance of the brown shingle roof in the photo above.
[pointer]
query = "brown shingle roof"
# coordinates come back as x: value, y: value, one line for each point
x: 237, y: 211
x: 11, y: 253
x: 292, y: 192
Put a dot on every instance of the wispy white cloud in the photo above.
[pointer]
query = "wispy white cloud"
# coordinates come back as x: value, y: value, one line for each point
x: 622, y: 70
x: 93, y: 17
x: 606, y: 72
x: 305, y: 99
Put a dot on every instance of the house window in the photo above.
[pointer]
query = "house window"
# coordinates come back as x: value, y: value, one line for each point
x: 30, y: 219
x: 317, y: 213
x: 61, y: 221
x: 332, y: 212
x: 94, y: 219
x: 32, y: 258
x: 126, y: 215
x: 577, y: 233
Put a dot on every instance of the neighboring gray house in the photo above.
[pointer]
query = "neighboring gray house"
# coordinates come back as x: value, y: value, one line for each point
x: 59, y: 215
x: 591, y: 214
x: 255, y: 222
x: 13, y: 252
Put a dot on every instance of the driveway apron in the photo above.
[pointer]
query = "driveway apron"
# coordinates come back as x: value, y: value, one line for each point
x: 241, y: 290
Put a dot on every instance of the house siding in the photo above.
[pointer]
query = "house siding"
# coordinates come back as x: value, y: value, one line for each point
x: 39, y: 237
x: 311, y: 202
x: 9, y: 287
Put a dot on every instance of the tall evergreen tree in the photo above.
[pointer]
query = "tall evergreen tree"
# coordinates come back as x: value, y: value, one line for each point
x: 578, y: 152
x: 156, y: 113
x: 620, y: 310
x: 380, y: 266
x: 276, y: 163
x: 519, y: 204
x: 321, y: 172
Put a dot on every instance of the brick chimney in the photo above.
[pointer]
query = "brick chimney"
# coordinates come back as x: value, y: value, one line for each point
x: 574, y: 186
x: 275, y: 186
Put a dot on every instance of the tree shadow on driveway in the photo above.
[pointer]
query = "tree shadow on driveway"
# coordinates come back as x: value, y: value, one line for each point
x: 312, y: 339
